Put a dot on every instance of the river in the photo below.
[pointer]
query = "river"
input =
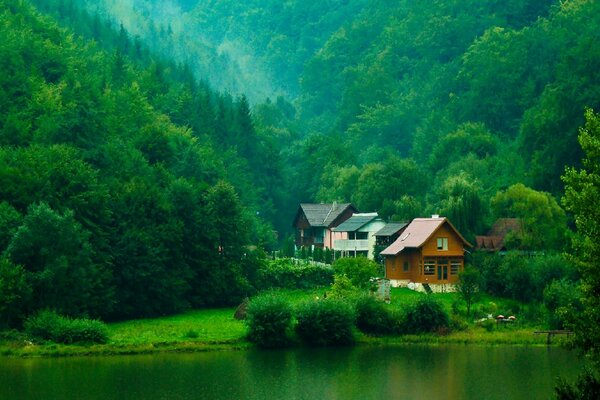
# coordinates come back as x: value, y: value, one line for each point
x: 406, y: 372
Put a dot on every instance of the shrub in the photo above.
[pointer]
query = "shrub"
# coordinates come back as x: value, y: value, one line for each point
x: 283, y: 273
x: 519, y: 278
x: 359, y: 270
x: 426, y: 315
x: 269, y: 319
x: 342, y: 288
x: 457, y: 323
x: 191, y: 334
x: 488, y: 324
x: 325, y: 322
x: 48, y: 325
x: 372, y: 316
x: 563, y: 301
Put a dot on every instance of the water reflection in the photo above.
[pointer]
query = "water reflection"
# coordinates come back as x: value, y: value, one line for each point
x: 444, y: 372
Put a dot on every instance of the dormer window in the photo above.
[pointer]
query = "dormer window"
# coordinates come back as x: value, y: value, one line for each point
x: 442, y: 243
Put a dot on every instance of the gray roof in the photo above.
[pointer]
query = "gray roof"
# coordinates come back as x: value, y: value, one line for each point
x: 391, y: 228
x: 322, y: 215
x: 355, y: 222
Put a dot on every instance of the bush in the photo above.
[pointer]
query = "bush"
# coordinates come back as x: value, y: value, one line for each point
x: 426, y: 315
x: 563, y: 302
x: 283, y: 273
x: 359, y: 270
x: 325, y: 322
x: 489, y: 325
x: 372, y: 316
x: 48, y: 325
x: 457, y: 323
x: 342, y: 288
x: 269, y: 319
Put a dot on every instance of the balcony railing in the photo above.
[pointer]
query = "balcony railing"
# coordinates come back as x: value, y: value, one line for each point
x: 351, y: 245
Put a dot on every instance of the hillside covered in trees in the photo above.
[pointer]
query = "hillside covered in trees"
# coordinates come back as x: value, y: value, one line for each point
x: 146, y: 145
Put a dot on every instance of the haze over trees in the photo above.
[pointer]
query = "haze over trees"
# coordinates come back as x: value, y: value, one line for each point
x: 144, y: 145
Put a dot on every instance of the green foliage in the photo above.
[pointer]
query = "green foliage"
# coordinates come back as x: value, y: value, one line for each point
x: 15, y: 293
x: 269, y: 320
x: 49, y: 325
x: 587, y: 387
x: 111, y: 208
x: 426, y: 315
x: 342, y: 288
x: 462, y: 203
x: 358, y: 269
x: 543, y: 221
x: 582, y: 190
x: 327, y: 322
x: 373, y: 316
x: 519, y: 277
x: 468, y: 286
x: 284, y: 273
x: 56, y: 252
x: 562, y: 299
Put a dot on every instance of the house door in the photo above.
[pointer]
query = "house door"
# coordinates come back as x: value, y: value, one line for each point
x: 442, y: 272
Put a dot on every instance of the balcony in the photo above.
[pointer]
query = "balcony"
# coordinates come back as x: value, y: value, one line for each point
x: 351, y: 245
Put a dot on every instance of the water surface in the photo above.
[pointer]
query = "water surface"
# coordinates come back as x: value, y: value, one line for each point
x: 411, y: 372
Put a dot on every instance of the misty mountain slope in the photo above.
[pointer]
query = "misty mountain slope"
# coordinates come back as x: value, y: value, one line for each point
x: 254, y: 47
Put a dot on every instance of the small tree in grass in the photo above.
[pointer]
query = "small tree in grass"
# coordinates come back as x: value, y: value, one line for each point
x: 269, y: 319
x: 468, y: 286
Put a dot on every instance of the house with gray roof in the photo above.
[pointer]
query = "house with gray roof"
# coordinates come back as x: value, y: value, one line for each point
x: 357, y: 235
x: 314, y: 223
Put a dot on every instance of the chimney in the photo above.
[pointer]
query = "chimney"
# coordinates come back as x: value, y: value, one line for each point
x: 435, y: 216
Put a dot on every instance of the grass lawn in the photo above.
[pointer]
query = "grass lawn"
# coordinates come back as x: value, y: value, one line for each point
x: 216, y: 329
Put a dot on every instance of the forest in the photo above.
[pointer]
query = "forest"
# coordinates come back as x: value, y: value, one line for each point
x: 151, y: 151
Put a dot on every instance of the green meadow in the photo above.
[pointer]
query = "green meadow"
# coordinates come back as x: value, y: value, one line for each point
x: 217, y: 329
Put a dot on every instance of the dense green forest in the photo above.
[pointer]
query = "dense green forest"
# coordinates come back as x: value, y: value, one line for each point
x: 116, y: 198
x: 146, y: 148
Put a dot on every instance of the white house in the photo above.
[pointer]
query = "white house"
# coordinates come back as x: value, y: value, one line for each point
x: 356, y: 235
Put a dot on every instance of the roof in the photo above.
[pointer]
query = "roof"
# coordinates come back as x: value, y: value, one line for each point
x: 355, y: 222
x: 494, y: 240
x: 504, y: 225
x: 391, y: 228
x: 417, y: 233
x: 490, y: 243
x: 323, y: 215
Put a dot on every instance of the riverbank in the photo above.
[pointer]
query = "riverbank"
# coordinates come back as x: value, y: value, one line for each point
x: 217, y: 330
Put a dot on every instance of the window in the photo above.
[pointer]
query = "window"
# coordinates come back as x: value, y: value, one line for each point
x: 455, y: 267
x: 429, y: 266
x: 319, y: 235
x: 406, y: 266
x: 442, y: 243
x: 362, y: 235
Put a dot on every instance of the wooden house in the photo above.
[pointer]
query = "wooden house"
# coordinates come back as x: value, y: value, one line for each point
x: 428, y: 251
x: 359, y: 231
x: 314, y: 223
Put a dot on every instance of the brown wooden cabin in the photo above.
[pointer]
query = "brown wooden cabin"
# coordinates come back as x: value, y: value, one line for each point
x: 429, y: 250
